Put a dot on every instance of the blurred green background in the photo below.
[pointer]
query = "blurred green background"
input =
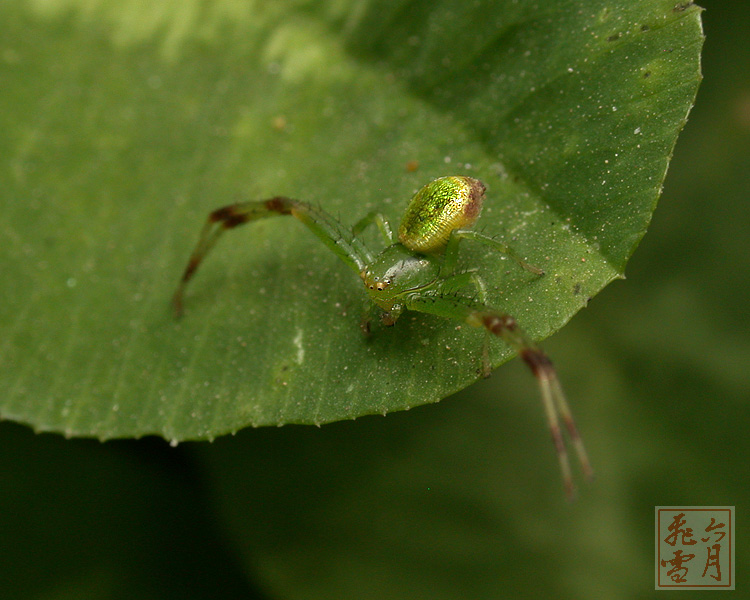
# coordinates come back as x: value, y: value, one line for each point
x: 448, y: 500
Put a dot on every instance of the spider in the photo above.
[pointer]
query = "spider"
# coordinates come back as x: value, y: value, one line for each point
x: 417, y: 272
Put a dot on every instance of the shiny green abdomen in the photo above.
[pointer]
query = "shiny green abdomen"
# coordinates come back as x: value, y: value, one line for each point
x: 437, y: 209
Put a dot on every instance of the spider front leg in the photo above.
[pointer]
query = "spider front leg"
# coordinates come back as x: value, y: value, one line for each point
x: 505, y: 326
x: 341, y: 240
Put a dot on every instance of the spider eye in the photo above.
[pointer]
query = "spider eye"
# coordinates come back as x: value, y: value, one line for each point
x: 374, y: 282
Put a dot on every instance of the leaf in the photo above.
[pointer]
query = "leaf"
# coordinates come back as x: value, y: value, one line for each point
x: 125, y: 124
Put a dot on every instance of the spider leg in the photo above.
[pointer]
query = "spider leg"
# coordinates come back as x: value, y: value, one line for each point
x: 505, y: 326
x: 451, y: 250
x: 459, y: 281
x: 341, y: 240
x: 383, y: 226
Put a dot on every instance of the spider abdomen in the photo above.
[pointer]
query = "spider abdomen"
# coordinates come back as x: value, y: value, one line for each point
x: 437, y: 209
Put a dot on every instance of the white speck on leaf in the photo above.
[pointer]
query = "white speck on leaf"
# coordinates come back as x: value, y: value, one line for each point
x: 300, y: 348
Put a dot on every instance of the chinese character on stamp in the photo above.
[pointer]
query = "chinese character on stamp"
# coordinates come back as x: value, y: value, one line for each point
x: 694, y: 547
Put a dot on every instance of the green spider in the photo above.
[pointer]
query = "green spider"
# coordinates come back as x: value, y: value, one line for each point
x: 418, y: 273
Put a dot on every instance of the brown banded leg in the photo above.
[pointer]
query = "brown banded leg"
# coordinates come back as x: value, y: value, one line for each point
x: 553, y: 398
x: 219, y: 221
x: 332, y: 233
x: 504, y: 326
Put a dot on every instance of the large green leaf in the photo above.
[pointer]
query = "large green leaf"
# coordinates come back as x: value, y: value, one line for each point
x: 124, y: 123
